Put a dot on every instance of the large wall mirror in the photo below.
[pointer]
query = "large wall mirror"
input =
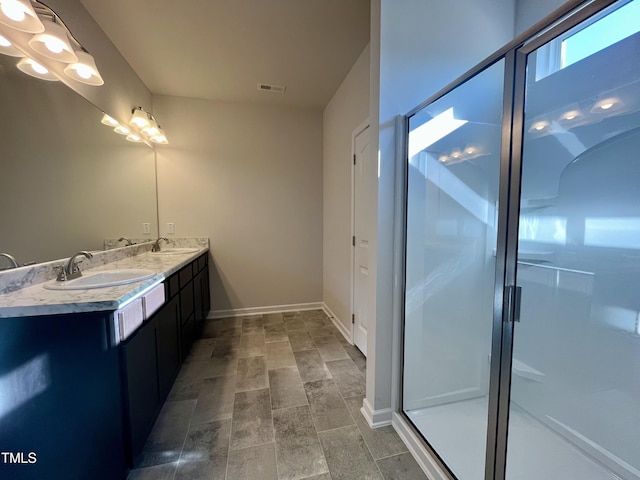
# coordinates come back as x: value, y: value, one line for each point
x: 67, y: 182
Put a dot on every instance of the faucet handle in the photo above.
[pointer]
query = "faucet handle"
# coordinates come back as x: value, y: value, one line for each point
x: 62, y: 273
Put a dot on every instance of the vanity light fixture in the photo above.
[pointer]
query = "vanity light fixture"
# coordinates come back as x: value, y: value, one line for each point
x: 7, y: 48
x: 109, y: 121
x: 58, y: 51
x: 122, y: 130
x: 139, y: 117
x: 53, y: 43
x: 31, y: 67
x: 20, y: 15
x: 159, y: 137
x: 84, y: 70
x: 143, y: 127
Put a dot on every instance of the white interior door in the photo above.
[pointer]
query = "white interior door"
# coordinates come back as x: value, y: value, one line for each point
x: 364, y: 208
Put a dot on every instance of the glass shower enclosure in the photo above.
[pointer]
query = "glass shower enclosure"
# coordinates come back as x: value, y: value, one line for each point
x: 521, y: 333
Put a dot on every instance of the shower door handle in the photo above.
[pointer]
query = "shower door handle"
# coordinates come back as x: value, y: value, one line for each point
x: 512, y: 300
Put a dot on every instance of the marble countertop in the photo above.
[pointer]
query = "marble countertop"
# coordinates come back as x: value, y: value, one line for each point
x: 35, y: 300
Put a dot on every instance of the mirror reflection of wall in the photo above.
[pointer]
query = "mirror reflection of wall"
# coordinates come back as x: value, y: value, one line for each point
x: 67, y: 182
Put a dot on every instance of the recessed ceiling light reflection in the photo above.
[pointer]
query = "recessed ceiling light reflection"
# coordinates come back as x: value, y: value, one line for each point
x: 539, y: 126
x: 607, y: 105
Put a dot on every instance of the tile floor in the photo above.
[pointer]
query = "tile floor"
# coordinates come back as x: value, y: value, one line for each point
x: 271, y: 397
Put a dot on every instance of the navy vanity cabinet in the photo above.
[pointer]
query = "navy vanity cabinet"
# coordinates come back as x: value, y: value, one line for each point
x: 60, y: 395
x: 202, y: 303
x: 140, y: 379
x: 168, y: 345
x: 187, y: 316
x: 150, y: 363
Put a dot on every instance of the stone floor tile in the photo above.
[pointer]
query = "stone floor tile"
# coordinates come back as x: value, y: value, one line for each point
x: 168, y: 434
x: 382, y: 441
x: 190, y: 470
x: 327, y: 406
x: 158, y: 472
x: 252, y: 422
x: 330, y: 348
x: 275, y: 332
x: 301, y: 341
x: 252, y: 325
x: 401, y: 467
x: 251, y: 345
x: 207, y: 442
x: 272, y: 319
x: 295, y: 323
x: 297, y: 448
x: 286, y: 388
x: 257, y: 463
x: 311, y: 366
x: 252, y: 374
x: 349, y: 379
x: 279, y: 354
x: 215, y: 400
x: 347, y: 455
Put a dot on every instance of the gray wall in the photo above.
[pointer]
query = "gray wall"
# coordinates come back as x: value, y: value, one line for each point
x: 347, y: 110
x: 249, y: 178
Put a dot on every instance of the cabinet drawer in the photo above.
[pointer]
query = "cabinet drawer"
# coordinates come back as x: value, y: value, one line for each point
x: 172, y: 285
x: 202, y: 262
x: 186, y: 275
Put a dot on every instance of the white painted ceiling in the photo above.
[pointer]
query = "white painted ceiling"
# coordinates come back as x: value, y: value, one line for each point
x: 221, y: 49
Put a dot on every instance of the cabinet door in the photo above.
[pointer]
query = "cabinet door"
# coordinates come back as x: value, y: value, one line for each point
x: 141, y: 380
x: 167, y: 346
x: 198, y: 300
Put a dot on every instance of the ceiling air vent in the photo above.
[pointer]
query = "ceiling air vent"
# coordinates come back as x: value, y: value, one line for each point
x: 265, y: 87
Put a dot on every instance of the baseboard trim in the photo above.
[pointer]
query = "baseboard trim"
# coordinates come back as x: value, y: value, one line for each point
x: 427, y: 463
x: 376, y: 418
x: 241, y: 312
x: 337, y: 323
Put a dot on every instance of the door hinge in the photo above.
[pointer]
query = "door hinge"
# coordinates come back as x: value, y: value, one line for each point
x: 353, y: 241
x: 512, y: 300
x: 354, y: 158
x: 353, y: 318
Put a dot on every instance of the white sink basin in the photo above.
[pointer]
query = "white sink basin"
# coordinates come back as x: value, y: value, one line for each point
x: 106, y: 278
x: 175, y: 251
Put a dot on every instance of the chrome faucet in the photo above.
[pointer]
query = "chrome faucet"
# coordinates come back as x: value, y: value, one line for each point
x: 156, y: 244
x: 71, y: 270
x: 11, y: 258
x: 127, y: 240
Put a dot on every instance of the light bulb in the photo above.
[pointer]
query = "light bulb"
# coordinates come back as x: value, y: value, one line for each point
x: 13, y: 10
x: 151, y: 131
x: 84, y: 71
x: 41, y: 69
x: 108, y: 120
x: 54, y: 45
x: 122, y: 130
x: 4, y: 42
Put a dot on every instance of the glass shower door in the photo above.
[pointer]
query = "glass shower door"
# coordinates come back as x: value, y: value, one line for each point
x: 452, y: 192
x: 575, y: 381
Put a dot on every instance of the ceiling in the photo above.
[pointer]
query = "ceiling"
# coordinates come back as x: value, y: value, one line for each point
x: 221, y: 49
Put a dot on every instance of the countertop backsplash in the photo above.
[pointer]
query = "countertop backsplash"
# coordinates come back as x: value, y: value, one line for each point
x: 18, y: 278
